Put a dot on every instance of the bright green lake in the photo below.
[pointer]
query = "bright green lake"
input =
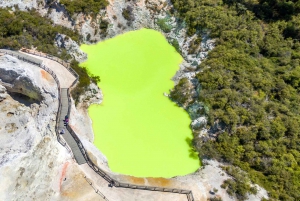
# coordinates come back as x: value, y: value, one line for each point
x: 141, y: 132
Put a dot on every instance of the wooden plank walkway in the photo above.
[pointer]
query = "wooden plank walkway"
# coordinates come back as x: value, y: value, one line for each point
x: 24, y: 56
x: 67, y: 136
x: 74, y: 142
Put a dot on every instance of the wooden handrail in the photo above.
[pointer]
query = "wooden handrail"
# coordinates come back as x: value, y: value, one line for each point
x: 27, y: 59
x: 97, y: 169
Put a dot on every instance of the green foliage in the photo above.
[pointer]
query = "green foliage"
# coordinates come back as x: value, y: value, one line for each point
x: 163, y: 24
x: 181, y: 94
x: 85, y: 78
x: 26, y: 29
x: 175, y: 44
x: 240, y: 185
x: 127, y: 13
x: 292, y: 29
x: 277, y: 9
x: 269, y: 10
x: 84, y: 6
x: 250, y: 83
x: 103, y: 27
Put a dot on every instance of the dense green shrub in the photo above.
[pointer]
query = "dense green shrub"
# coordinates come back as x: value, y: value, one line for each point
x: 163, y: 24
x: 103, y: 27
x: 250, y: 83
x: 239, y: 186
x: 28, y: 29
x: 85, y: 78
x: 181, y: 93
x: 84, y: 6
x: 128, y: 15
x: 175, y: 44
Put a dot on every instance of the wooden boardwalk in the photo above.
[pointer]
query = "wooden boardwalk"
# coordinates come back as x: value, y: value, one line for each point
x: 67, y: 136
x: 25, y: 57
x: 72, y: 140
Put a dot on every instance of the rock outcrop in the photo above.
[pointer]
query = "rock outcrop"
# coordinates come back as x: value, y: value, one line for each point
x: 33, y: 165
x: 29, y: 150
x: 20, y: 80
x: 71, y: 46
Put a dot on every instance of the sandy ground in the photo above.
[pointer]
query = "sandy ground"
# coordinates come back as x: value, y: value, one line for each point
x: 64, y: 76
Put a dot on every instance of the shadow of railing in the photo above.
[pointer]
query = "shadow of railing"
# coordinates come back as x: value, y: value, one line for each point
x: 98, y: 170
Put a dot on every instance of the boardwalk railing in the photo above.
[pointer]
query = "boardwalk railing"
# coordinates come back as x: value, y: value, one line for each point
x: 104, y: 175
x: 96, y: 190
x: 62, y: 62
x: 39, y: 64
x: 98, y: 170
x: 116, y: 183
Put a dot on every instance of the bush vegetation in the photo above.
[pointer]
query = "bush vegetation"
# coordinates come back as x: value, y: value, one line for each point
x: 163, y: 24
x: 239, y: 186
x: 28, y: 29
x: 175, y: 44
x: 181, y: 93
x: 251, y: 82
x: 85, y: 78
x: 84, y: 6
x: 128, y: 14
x: 104, y: 25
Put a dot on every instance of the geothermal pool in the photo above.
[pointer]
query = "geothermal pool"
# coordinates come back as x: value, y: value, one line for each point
x: 141, y: 132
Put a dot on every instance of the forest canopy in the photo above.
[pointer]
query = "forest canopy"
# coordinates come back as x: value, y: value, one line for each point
x: 251, y: 82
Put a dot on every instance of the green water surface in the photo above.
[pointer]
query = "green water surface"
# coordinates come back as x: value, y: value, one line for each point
x: 141, y: 132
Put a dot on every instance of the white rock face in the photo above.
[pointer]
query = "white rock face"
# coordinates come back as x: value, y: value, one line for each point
x: 81, y: 121
x: 33, y: 165
x: 198, y: 123
x: 22, y: 4
x: 28, y: 147
x: 20, y: 79
x: 3, y: 94
x: 71, y: 46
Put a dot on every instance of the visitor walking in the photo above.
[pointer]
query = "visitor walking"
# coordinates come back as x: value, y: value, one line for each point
x: 62, y: 131
x: 66, y: 120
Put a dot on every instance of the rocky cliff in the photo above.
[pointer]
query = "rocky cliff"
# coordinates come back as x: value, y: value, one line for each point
x: 29, y: 156
x: 33, y: 165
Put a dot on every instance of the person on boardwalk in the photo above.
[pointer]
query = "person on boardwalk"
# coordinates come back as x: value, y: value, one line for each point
x: 62, y: 131
x: 66, y: 119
